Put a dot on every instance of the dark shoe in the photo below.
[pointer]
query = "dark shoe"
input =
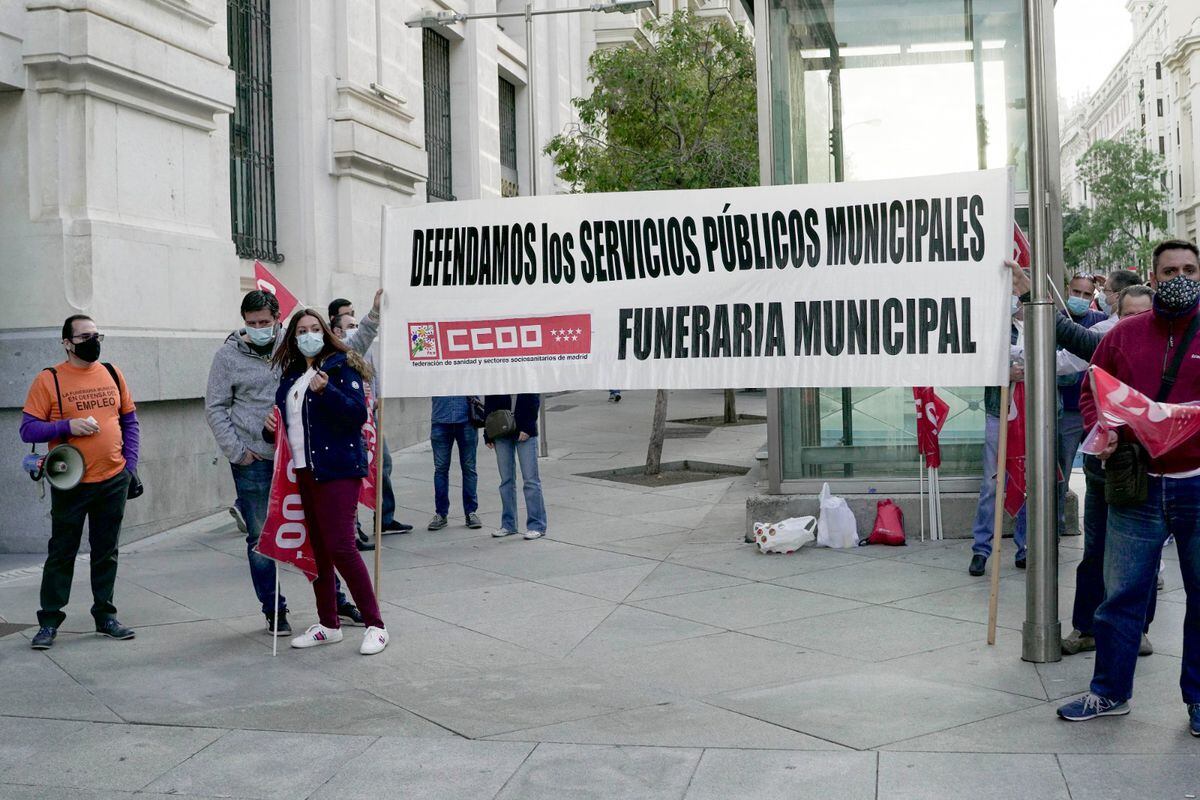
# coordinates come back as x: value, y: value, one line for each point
x: 1194, y: 719
x: 283, y: 628
x: 364, y: 542
x: 350, y: 613
x: 473, y: 521
x: 437, y: 523
x: 1091, y: 706
x: 1019, y: 563
x: 978, y: 565
x: 396, y: 527
x: 114, y: 630
x: 1144, y: 647
x: 44, y: 638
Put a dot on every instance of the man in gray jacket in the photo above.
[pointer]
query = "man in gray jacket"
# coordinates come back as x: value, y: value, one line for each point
x: 241, y: 393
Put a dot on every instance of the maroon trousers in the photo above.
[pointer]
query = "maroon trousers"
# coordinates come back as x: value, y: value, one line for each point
x: 329, y: 510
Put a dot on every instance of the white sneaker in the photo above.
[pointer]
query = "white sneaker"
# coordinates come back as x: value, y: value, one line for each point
x: 534, y: 534
x: 374, y: 640
x: 500, y: 534
x: 317, y: 634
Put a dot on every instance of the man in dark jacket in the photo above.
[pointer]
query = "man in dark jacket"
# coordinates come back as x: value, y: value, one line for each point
x: 1138, y: 352
x: 520, y: 445
x: 1081, y: 292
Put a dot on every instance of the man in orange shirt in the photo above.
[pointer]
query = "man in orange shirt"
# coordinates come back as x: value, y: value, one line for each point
x: 86, y: 404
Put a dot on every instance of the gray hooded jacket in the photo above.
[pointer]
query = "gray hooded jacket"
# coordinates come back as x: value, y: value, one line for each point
x: 241, y: 392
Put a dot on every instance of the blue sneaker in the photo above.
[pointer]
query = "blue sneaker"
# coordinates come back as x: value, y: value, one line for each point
x: 1194, y: 717
x: 1091, y: 706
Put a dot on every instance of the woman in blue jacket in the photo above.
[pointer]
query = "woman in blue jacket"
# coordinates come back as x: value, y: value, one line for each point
x: 323, y: 405
x: 523, y: 446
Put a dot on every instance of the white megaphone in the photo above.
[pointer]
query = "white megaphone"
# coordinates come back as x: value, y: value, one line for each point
x: 62, y: 467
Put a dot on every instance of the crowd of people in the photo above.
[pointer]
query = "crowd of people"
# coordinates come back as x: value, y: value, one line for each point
x: 306, y: 381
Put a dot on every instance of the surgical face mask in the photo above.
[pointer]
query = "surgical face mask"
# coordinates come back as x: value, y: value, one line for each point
x: 1014, y: 305
x: 1102, y: 301
x: 1078, y: 305
x: 1177, y: 294
x: 261, y: 336
x: 310, y: 343
x: 88, y: 351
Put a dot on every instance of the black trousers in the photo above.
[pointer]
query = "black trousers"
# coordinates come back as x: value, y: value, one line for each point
x: 103, y: 506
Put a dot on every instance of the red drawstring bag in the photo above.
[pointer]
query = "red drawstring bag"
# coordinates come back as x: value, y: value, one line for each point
x: 889, y: 524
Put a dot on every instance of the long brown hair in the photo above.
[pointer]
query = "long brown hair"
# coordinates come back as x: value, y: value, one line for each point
x: 288, y: 356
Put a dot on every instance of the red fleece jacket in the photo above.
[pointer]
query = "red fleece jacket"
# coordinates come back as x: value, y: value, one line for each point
x: 1136, y: 352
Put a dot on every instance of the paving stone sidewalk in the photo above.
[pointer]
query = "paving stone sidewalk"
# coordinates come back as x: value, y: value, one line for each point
x: 641, y: 650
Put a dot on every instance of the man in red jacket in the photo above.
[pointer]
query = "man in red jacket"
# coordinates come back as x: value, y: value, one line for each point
x: 1139, y: 351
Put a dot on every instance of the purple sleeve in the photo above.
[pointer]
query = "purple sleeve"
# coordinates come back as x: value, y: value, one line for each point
x: 34, y: 430
x: 131, y: 437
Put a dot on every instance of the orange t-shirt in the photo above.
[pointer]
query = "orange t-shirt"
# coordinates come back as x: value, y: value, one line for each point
x: 87, y: 392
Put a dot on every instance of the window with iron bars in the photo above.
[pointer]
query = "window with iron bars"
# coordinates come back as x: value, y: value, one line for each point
x: 251, y: 133
x: 436, y: 54
x: 508, y: 140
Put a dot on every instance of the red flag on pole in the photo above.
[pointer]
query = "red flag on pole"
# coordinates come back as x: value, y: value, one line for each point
x: 1021, y: 247
x: 1160, y: 427
x: 931, y: 416
x: 264, y: 280
x: 366, y: 495
x: 1014, y: 469
x: 284, y: 536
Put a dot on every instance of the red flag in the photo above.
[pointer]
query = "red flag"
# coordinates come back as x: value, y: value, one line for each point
x: 264, y: 280
x: 366, y: 495
x: 284, y: 536
x: 1021, y: 247
x: 931, y: 416
x: 1014, y: 467
x: 1160, y: 427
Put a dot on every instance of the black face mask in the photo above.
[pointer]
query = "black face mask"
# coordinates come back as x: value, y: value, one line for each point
x: 88, y: 351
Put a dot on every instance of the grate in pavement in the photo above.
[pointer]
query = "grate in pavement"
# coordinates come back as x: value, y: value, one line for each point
x: 9, y: 628
x: 560, y: 407
x: 687, y: 433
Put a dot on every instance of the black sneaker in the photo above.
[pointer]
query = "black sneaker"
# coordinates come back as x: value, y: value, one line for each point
x: 1019, y: 563
x: 364, y: 542
x: 114, y: 630
x: 350, y: 613
x: 284, y: 627
x: 396, y: 527
x: 978, y: 565
x: 44, y: 638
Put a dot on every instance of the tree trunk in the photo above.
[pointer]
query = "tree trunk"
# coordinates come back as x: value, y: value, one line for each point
x: 730, y: 406
x: 658, y: 430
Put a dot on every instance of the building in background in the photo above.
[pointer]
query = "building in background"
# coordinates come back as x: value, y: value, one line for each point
x: 1147, y: 93
x: 153, y: 149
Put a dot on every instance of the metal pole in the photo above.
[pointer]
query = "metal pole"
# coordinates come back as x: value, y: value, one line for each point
x: 544, y: 446
x: 1041, y: 640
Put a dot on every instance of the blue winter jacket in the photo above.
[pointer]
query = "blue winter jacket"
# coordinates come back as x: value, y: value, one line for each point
x: 333, y: 420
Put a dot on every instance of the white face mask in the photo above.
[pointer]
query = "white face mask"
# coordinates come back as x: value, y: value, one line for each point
x: 261, y: 336
x: 310, y: 343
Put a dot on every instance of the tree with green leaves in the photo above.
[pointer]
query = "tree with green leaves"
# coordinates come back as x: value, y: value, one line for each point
x: 1129, y: 209
x: 675, y: 111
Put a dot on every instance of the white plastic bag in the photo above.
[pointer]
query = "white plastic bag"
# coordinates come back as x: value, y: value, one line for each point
x: 837, y: 526
x: 787, y: 536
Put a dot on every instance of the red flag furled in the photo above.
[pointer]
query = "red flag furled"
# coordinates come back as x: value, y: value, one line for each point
x: 1160, y: 427
x: 1014, y: 469
x: 1021, y: 247
x: 931, y: 416
x: 284, y: 536
x: 366, y: 495
x: 264, y: 280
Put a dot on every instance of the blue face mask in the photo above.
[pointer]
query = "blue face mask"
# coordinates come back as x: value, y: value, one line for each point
x: 1014, y: 305
x: 1078, y: 305
x: 310, y: 343
x: 261, y: 336
x: 1102, y: 301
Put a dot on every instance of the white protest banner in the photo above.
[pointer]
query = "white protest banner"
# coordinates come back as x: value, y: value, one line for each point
x: 884, y: 283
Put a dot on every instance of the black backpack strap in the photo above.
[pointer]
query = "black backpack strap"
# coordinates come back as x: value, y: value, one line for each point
x: 1171, y: 372
x: 57, y: 389
x: 112, y: 372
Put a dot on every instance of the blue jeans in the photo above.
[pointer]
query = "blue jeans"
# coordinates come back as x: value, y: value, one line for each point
x: 985, y: 513
x: 1135, y: 539
x: 508, y: 452
x: 443, y: 436
x: 1089, y: 575
x: 1070, y: 435
x: 389, y: 496
x: 253, y: 486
